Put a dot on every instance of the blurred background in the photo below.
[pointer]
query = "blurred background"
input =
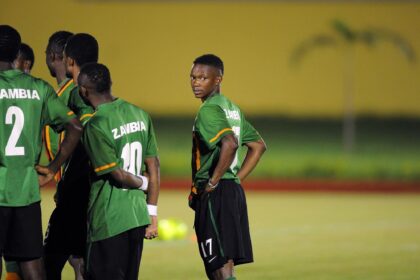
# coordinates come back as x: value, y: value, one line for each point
x: 334, y: 89
x: 296, y: 68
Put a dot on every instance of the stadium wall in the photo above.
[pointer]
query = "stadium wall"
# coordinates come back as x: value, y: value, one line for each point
x: 150, y: 45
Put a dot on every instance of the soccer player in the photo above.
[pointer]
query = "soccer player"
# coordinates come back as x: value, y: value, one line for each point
x: 57, y: 68
x: 221, y: 219
x: 121, y: 143
x: 25, y: 59
x: 27, y: 104
x: 67, y: 230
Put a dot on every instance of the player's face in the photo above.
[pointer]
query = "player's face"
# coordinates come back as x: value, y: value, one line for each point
x: 205, y: 80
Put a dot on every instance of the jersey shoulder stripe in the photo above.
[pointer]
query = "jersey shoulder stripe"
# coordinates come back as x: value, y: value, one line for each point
x: 64, y: 87
x: 220, y: 133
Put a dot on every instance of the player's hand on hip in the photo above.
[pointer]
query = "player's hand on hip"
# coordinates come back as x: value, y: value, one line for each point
x: 45, y: 175
x: 152, y: 229
x: 210, y: 187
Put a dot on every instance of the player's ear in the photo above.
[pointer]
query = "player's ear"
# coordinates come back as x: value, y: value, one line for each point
x: 82, y: 91
x: 69, y: 61
x: 51, y: 55
x: 27, y: 64
x: 219, y: 80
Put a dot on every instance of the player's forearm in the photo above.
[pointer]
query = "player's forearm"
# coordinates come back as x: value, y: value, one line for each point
x: 227, y: 155
x: 73, y: 133
x: 153, y: 169
x: 126, y: 180
x: 253, y: 155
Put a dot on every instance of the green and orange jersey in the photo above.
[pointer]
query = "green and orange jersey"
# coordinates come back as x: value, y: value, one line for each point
x: 53, y: 140
x: 68, y: 93
x: 217, y: 117
x: 27, y: 104
x: 119, y: 135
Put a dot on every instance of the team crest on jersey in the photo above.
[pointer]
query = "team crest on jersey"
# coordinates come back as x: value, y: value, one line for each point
x: 19, y: 93
x: 128, y: 128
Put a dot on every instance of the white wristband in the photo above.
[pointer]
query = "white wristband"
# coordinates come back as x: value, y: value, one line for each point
x: 152, y: 209
x: 145, y: 184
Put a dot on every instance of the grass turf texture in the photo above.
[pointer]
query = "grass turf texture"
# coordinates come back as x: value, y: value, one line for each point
x: 385, y: 149
x: 299, y: 236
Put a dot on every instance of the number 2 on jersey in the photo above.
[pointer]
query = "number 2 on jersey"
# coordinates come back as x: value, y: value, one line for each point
x: 17, y: 122
x: 132, y: 157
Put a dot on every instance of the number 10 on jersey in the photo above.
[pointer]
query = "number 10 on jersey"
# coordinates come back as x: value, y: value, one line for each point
x: 132, y: 157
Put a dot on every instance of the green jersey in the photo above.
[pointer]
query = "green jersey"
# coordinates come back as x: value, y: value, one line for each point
x: 119, y: 135
x: 53, y: 140
x: 217, y: 117
x: 68, y: 92
x: 74, y: 172
x: 27, y: 104
x: 83, y: 111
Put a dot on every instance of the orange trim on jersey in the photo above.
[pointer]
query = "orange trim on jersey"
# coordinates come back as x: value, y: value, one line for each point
x: 48, y: 142
x: 12, y: 276
x: 61, y: 139
x: 104, y: 167
x: 60, y: 172
x: 64, y: 87
x: 197, y: 154
x: 85, y: 116
x: 219, y: 133
x: 57, y: 175
x: 194, y: 190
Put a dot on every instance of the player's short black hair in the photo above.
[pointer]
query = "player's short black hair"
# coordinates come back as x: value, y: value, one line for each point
x: 98, y: 74
x: 211, y: 60
x: 57, y: 42
x: 9, y: 43
x: 27, y: 53
x: 83, y: 48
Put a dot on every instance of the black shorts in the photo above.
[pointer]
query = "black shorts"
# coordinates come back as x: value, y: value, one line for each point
x: 221, y: 225
x: 66, y: 232
x: 117, y: 257
x: 67, y: 227
x: 21, y: 232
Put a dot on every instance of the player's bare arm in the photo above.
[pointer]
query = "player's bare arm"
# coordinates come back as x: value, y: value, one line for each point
x: 253, y: 155
x: 229, y: 145
x: 127, y: 180
x: 73, y: 132
x: 153, y: 171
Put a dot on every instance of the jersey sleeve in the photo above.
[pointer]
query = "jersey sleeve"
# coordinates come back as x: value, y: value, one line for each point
x: 152, y: 149
x: 56, y: 113
x: 249, y: 134
x: 83, y: 111
x: 100, y: 150
x: 212, y: 125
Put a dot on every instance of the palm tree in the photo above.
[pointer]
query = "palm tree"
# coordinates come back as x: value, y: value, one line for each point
x: 345, y: 38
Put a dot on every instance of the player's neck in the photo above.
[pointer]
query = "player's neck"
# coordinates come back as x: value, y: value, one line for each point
x: 60, y: 74
x: 102, y: 99
x: 210, y: 95
x: 60, y: 77
x: 75, y: 73
x: 5, y: 66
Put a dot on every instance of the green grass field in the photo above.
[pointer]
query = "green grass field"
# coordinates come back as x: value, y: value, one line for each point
x: 385, y: 149
x: 300, y: 236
